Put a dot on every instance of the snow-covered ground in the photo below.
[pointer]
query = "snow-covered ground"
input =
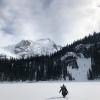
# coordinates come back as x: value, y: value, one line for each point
x: 49, y: 91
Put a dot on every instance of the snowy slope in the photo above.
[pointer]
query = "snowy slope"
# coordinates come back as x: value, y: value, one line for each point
x: 7, y: 54
x: 50, y: 91
x: 80, y: 74
x: 77, y: 65
x: 27, y: 48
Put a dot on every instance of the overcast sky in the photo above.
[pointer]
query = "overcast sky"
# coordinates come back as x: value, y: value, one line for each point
x: 60, y: 20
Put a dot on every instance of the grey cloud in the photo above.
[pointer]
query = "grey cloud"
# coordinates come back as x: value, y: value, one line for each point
x: 61, y: 20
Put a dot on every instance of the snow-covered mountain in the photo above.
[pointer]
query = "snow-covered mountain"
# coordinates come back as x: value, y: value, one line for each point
x: 79, y: 61
x: 27, y: 48
x: 76, y: 63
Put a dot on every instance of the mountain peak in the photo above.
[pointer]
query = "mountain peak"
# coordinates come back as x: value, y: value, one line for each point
x: 24, y: 43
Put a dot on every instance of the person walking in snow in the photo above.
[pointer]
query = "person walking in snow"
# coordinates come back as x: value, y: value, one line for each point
x: 63, y: 90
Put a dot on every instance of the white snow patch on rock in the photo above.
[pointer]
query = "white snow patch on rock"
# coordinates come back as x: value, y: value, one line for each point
x: 80, y: 74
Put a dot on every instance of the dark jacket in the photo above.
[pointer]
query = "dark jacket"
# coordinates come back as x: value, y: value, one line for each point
x: 63, y: 90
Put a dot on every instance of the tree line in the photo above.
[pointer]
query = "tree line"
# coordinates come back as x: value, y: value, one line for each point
x: 33, y: 68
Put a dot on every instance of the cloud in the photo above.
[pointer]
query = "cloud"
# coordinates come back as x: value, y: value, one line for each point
x: 61, y: 20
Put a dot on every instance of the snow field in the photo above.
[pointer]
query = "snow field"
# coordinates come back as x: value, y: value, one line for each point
x: 49, y: 91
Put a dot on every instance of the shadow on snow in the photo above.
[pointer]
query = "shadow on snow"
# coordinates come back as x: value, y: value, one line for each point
x: 57, y: 98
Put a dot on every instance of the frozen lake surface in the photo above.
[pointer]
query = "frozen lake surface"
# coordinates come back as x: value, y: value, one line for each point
x: 49, y: 91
